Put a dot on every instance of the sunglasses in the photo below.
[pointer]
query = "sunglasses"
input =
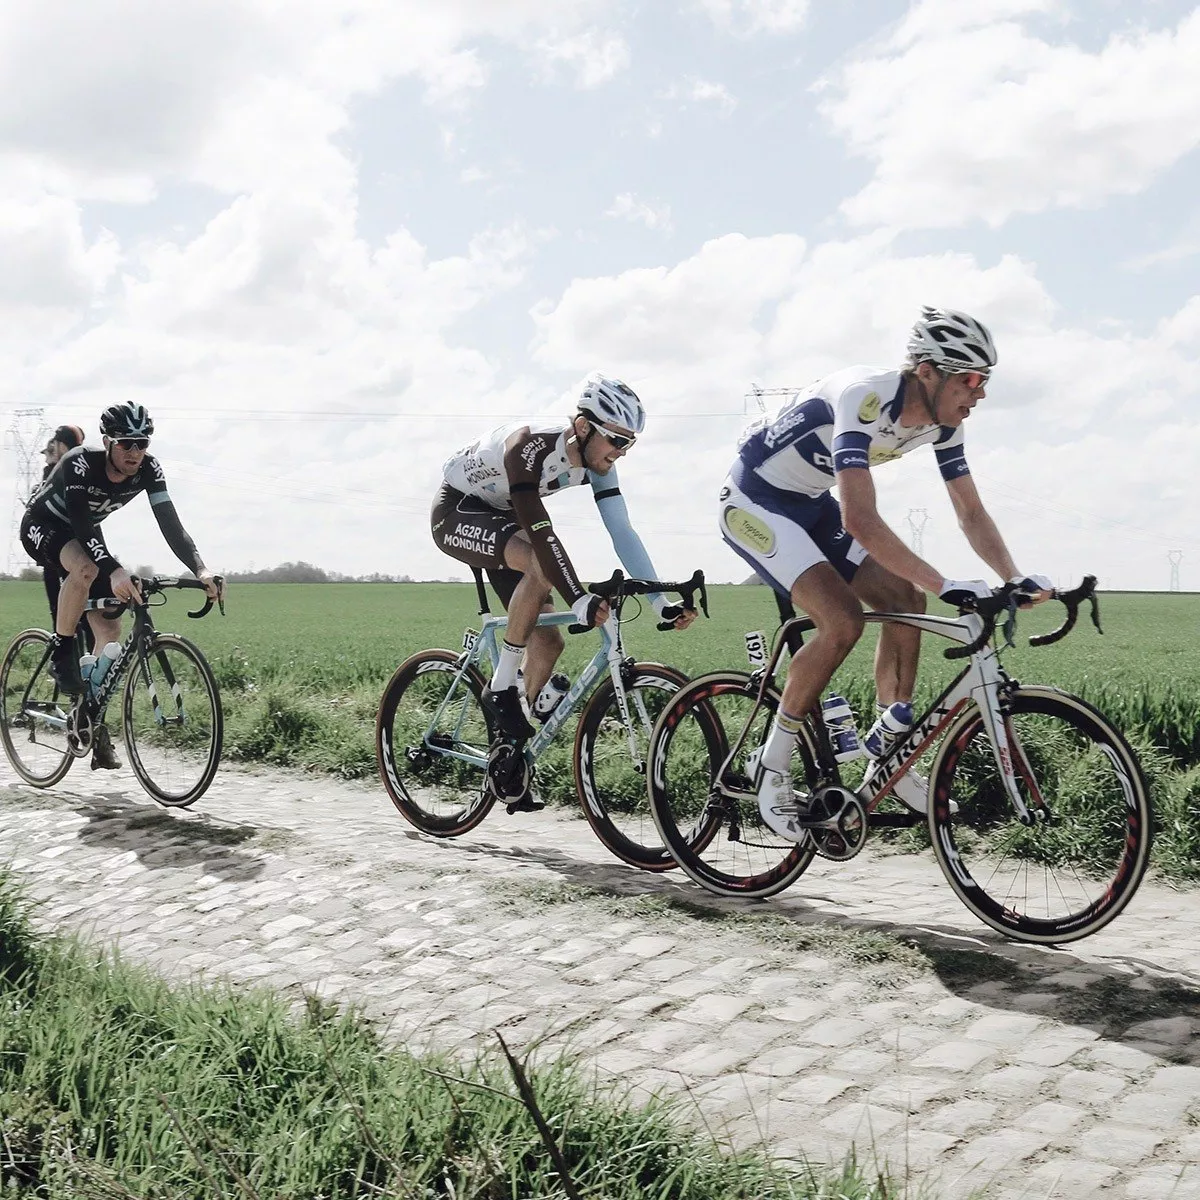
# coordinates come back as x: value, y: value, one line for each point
x: 974, y: 379
x: 132, y: 443
x: 618, y: 441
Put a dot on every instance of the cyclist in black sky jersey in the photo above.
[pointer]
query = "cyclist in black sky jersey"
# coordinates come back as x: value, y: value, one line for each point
x: 61, y: 529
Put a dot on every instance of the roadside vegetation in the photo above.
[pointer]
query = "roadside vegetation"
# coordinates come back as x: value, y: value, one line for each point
x: 114, y: 1084
x: 301, y: 668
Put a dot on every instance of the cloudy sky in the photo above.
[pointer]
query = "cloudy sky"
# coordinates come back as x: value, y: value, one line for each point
x: 328, y: 241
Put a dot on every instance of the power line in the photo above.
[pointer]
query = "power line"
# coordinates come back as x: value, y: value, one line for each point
x: 25, y: 432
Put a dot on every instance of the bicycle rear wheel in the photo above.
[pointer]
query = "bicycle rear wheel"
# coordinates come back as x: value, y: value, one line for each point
x: 173, y: 721
x: 609, y: 780
x: 431, y: 742
x: 1079, y: 864
x: 33, y: 714
x: 706, y: 811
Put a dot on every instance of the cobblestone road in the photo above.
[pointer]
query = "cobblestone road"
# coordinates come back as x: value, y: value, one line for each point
x: 1015, y: 1072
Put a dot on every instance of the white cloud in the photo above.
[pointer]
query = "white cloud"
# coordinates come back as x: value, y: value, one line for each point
x: 594, y: 56
x: 701, y: 91
x: 972, y: 120
x: 627, y: 207
x: 756, y: 16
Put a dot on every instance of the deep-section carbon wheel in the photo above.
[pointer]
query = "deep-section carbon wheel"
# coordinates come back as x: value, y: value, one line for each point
x: 1079, y: 864
x: 707, y: 810
x: 431, y: 742
x: 610, y: 775
x: 33, y: 714
x: 173, y: 721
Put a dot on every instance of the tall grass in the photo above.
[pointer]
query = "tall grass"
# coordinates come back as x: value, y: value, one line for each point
x: 114, y: 1084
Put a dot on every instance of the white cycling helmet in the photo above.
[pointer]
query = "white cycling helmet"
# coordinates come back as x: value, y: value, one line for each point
x: 613, y: 403
x: 952, y: 341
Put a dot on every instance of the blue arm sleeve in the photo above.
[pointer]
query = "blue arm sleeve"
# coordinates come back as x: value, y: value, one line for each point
x: 625, y: 540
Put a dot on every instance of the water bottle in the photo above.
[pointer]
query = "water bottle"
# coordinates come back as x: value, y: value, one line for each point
x: 839, y: 721
x: 549, y: 698
x: 108, y: 656
x: 87, y: 664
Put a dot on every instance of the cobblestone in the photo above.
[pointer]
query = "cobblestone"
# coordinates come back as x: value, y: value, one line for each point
x: 994, y: 1081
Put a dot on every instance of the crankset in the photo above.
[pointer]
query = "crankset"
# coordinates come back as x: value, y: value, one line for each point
x: 81, y: 729
x: 510, y: 777
x: 837, y: 823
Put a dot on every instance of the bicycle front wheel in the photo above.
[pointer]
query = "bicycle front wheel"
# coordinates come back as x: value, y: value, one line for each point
x: 431, y: 741
x: 610, y: 772
x: 173, y: 721
x: 705, y: 807
x: 33, y: 714
x: 1080, y: 862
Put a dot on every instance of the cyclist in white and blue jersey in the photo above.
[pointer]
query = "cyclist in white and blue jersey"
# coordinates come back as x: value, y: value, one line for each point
x: 777, y: 511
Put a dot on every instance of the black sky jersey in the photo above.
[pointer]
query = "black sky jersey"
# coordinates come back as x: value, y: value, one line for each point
x: 79, y: 494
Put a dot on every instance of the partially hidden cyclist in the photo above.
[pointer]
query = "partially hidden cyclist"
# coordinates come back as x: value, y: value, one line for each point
x: 61, y: 530
x: 64, y: 438
x: 777, y: 511
x: 489, y: 513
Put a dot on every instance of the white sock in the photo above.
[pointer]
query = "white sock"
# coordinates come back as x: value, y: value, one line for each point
x: 506, y: 668
x: 777, y: 755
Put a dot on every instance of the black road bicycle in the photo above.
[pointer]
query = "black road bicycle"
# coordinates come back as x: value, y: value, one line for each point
x: 170, y: 708
x: 1038, y: 810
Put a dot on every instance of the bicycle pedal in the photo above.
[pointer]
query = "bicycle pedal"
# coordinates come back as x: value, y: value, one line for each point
x: 525, y: 804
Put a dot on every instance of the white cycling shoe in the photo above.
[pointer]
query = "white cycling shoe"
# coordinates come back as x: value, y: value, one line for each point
x: 912, y: 790
x: 778, y: 805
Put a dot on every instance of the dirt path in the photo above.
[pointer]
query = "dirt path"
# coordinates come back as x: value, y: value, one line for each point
x: 976, y: 1064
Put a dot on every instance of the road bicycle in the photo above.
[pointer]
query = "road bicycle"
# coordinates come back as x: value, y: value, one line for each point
x: 444, y: 764
x: 170, y: 707
x: 1039, y: 815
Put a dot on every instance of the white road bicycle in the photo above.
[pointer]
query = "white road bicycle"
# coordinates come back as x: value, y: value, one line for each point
x: 1039, y: 813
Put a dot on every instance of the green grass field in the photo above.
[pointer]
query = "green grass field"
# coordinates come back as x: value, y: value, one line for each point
x: 301, y: 668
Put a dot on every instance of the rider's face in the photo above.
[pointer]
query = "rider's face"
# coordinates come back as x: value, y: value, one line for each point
x: 601, y: 454
x: 958, y: 397
x: 128, y: 461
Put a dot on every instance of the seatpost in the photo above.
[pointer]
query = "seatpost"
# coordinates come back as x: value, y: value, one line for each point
x: 481, y: 591
x: 793, y: 637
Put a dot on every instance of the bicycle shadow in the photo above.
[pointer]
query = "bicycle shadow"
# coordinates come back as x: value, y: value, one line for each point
x: 162, y: 839
x: 1121, y: 998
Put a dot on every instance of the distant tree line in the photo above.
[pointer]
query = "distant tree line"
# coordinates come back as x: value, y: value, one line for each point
x: 288, y: 572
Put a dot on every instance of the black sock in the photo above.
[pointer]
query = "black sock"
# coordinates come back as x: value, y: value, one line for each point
x: 57, y: 642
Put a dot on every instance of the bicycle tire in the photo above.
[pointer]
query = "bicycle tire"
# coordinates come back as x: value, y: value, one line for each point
x: 38, y: 751
x: 1059, y: 880
x: 720, y: 842
x: 174, y: 725
x: 611, y: 791
x: 425, y: 782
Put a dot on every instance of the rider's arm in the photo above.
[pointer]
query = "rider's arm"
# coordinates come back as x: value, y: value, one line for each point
x: 629, y: 547
x: 523, y: 464
x: 75, y: 499
x: 860, y: 516
x: 164, y: 512
x: 979, y: 528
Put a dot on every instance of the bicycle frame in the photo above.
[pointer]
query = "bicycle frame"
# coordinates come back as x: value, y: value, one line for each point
x: 610, y: 653
x: 982, y: 681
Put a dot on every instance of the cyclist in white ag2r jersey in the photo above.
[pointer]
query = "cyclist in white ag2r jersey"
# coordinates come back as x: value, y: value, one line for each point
x: 489, y: 513
x: 777, y: 512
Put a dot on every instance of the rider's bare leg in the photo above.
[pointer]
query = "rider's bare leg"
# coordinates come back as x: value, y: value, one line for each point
x: 73, y: 595
x: 543, y: 644
x: 899, y: 646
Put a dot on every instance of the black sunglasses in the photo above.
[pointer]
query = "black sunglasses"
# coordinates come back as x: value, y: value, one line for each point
x: 132, y: 443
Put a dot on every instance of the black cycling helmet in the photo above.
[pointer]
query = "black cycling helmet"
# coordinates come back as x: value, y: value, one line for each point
x: 126, y: 420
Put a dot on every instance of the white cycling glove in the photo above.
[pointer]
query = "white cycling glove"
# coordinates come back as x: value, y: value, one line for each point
x: 585, y: 608
x: 1030, y: 585
x: 960, y: 591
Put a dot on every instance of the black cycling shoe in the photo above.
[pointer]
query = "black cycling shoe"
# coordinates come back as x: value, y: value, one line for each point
x: 65, y: 672
x: 104, y: 757
x: 506, y: 712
